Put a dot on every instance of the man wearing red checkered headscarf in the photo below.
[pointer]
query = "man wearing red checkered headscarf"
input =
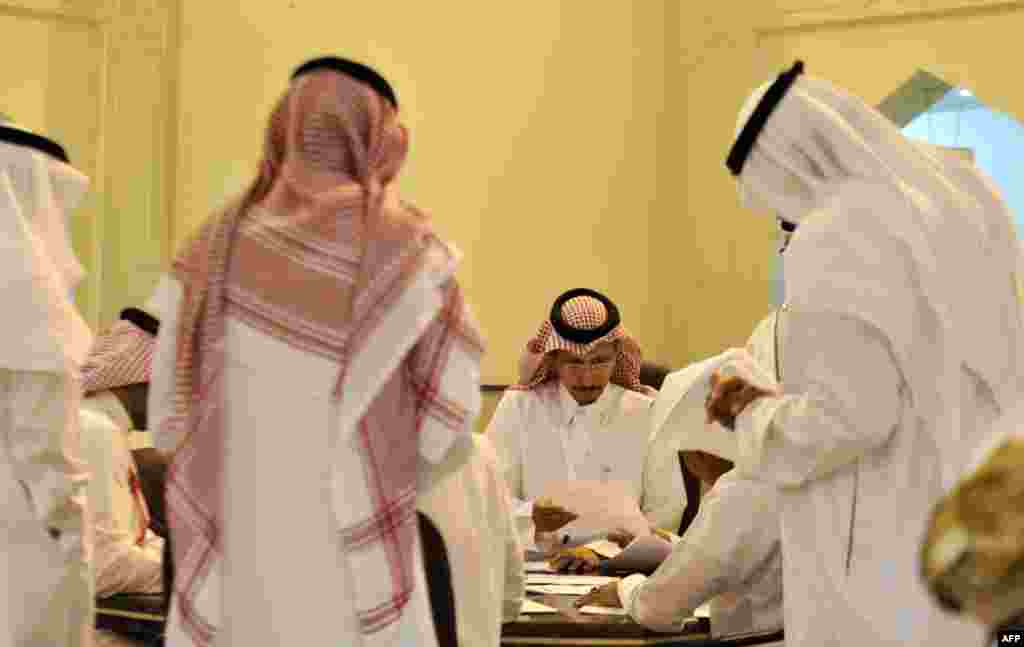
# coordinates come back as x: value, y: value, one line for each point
x: 115, y: 382
x: 579, y: 412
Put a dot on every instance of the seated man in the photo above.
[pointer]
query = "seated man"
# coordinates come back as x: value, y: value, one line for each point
x: 115, y: 378
x: 580, y: 412
x: 730, y: 555
x: 472, y: 510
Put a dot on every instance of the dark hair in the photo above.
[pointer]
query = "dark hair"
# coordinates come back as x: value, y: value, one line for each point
x: 653, y: 375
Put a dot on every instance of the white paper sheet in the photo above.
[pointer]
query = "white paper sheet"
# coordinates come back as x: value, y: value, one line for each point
x: 603, y: 611
x: 538, y: 567
x: 604, y: 548
x: 601, y: 506
x: 703, y: 611
x: 531, y: 606
x: 643, y: 554
x: 590, y: 580
x: 559, y: 589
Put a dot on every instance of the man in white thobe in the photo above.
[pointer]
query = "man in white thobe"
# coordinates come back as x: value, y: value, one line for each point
x: 580, y: 412
x: 45, y: 534
x: 127, y: 555
x: 472, y: 510
x: 729, y: 555
x: 316, y: 363
x: 898, y: 347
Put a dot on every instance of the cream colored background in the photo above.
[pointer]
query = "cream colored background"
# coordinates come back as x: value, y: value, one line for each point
x: 558, y: 143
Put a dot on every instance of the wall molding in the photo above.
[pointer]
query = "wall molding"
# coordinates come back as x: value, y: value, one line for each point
x: 797, y: 15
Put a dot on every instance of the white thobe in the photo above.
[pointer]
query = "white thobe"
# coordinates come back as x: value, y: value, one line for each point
x: 122, y: 565
x: 543, y: 435
x: 857, y: 474
x: 48, y: 593
x: 284, y: 578
x: 473, y: 513
x: 729, y: 555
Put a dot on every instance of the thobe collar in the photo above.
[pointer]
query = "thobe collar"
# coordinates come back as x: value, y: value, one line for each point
x: 110, y: 405
x: 571, y: 409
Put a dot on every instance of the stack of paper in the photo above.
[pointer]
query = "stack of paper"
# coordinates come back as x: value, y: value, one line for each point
x: 603, y: 611
x: 559, y: 589
x: 530, y: 606
x: 538, y: 567
x: 590, y: 580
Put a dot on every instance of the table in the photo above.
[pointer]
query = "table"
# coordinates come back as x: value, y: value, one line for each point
x: 137, y: 615
x: 569, y: 627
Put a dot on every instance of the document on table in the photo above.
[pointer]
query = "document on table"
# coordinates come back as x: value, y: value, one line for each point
x: 603, y: 611
x: 582, y: 580
x: 559, y: 589
x: 538, y: 567
x: 531, y: 606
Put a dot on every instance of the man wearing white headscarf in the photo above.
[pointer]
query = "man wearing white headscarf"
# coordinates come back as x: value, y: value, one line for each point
x: 900, y: 344
x: 45, y: 536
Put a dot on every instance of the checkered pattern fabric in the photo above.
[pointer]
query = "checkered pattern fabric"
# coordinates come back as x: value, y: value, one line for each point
x: 582, y: 313
x: 331, y: 267
x: 121, y: 356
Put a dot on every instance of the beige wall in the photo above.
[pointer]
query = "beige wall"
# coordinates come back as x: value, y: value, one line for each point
x: 538, y: 129
x: 557, y: 144
x: 94, y: 75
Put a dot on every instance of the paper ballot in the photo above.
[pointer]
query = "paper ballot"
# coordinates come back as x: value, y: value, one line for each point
x: 582, y: 580
x: 538, y: 567
x: 603, y: 611
x: 601, y: 506
x: 530, y: 606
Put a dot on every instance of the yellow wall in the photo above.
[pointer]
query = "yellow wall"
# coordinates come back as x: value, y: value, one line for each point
x: 565, y: 143
x: 92, y: 76
x: 716, y: 257
x: 970, y: 47
x: 537, y: 136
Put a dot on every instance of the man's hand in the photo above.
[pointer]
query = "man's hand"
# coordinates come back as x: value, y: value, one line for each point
x: 621, y: 537
x: 548, y: 517
x: 603, y: 596
x: 728, y: 398
x: 575, y: 560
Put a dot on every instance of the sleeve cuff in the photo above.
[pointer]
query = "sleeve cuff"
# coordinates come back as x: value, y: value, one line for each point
x: 752, y: 428
x: 628, y: 588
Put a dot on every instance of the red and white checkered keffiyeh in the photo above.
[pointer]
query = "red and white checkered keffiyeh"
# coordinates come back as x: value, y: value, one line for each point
x: 318, y: 256
x: 121, y: 356
x: 582, y: 313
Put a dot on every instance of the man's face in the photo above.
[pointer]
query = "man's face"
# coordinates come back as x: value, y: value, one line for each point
x: 586, y: 378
